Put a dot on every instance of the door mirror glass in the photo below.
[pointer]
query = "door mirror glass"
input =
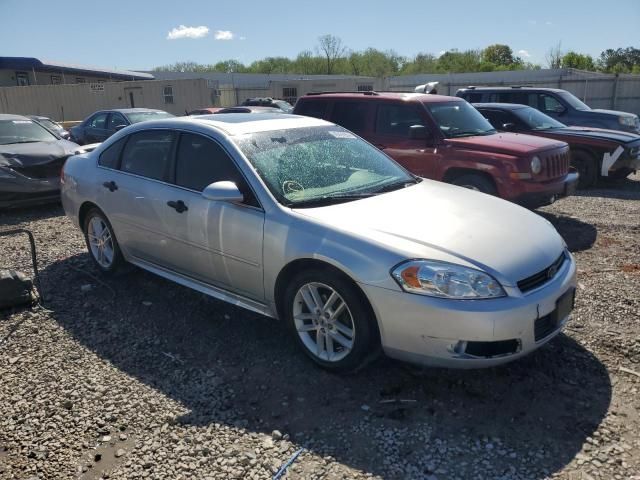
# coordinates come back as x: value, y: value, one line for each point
x: 119, y: 127
x: 224, y: 191
x: 418, y: 132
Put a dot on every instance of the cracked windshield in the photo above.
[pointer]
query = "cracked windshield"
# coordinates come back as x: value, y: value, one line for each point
x: 321, y: 165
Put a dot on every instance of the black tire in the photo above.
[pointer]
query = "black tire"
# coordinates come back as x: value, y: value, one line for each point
x: 479, y: 183
x: 118, y: 260
x: 366, y: 340
x: 621, y: 173
x: 587, y: 168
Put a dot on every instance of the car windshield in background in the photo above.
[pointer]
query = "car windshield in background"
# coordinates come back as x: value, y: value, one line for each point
x: 284, y: 106
x: 137, y: 117
x: 574, y: 101
x: 459, y: 119
x: 536, y: 120
x: 317, y: 166
x: 23, y: 131
x: 50, y: 125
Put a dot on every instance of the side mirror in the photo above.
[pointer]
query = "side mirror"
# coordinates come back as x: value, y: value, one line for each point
x: 119, y: 127
x: 418, y: 132
x: 508, y: 127
x: 224, y: 191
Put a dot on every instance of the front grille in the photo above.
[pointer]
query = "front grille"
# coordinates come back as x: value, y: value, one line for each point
x: 543, y: 276
x: 545, y: 326
x: 555, y: 164
x: 44, y: 170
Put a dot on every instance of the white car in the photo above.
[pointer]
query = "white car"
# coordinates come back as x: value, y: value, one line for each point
x: 301, y: 220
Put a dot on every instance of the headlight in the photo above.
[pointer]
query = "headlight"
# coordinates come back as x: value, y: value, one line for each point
x: 6, y: 173
x: 629, y: 121
x: 536, y: 165
x: 446, y: 280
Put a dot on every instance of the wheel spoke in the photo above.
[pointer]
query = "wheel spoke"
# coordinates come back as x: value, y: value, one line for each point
x: 332, y: 298
x: 320, y: 338
x: 306, y: 327
x: 315, y: 295
x: 348, y: 344
x: 329, y: 345
x: 308, y: 299
x: 337, y: 311
x: 346, y: 331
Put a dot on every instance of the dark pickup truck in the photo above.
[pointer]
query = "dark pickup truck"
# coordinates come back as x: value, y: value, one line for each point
x: 595, y: 152
x: 445, y: 138
x: 559, y: 104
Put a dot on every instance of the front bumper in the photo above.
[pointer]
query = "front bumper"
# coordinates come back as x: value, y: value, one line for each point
x: 429, y: 331
x: 538, y: 194
x: 22, y: 191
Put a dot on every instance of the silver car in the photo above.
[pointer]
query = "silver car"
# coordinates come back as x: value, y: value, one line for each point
x: 299, y: 219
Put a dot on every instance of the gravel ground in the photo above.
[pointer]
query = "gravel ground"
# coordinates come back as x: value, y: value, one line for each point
x: 136, y: 377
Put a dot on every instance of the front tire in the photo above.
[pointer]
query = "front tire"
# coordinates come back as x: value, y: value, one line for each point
x: 587, y: 168
x: 478, y: 183
x: 330, y: 320
x: 101, y: 242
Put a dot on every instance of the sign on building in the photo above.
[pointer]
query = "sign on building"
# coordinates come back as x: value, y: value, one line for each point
x: 97, y: 87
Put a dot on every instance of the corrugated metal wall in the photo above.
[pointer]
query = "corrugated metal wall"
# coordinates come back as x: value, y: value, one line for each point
x: 598, y: 90
x: 75, y: 102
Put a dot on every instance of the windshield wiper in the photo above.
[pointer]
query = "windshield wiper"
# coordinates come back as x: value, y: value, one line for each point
x: 394, y: 186
x: 330, y: 199
x: 22, y: 141
x: 472, y: 134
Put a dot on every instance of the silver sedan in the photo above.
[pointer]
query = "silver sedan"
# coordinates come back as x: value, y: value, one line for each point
x: 299, y: 219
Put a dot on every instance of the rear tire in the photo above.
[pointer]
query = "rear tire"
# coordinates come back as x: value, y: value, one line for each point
x: 587, y: 168
x: 475, y: 182
x: 101, y: 242
x: 330, y: 320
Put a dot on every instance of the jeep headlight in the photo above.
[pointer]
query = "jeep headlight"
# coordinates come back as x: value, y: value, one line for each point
x: 446, y: 280
x: 627, y: 121
x: 536, y: 165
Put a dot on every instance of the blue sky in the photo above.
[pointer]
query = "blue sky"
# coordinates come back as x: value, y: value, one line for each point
x: 133, y: 34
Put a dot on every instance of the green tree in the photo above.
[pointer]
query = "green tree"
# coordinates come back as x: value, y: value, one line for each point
x: 229, y: 66
x: 620, y: 60
x: 499, y: 54
x: 307, y: 63
x: 580, y: 61
x: 421, y: 63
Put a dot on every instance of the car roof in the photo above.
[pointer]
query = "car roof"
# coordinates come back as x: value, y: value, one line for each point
x: 512, y: 89
x: 38, y: 117
x: 414, y: 97
x: 10, y: 116
x: 239, y: 123
x: 501, y: 106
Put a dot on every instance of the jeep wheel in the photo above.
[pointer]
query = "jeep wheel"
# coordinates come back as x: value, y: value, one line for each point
x: 478, y: 183
x: 587, y: 168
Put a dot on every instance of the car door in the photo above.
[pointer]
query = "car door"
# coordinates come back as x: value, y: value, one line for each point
x: 134, y: 197
x: 96, y: 129
x: 221, y: 242
x: 391, y: 134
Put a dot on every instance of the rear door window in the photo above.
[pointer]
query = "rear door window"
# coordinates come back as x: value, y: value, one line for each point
x: 111, y: 156
x: 148, y: 154
x: 116, y: 120
x: 497, y: 118
x: 396, y: 119
x: 549, y: 104
x: 350, y: 115
x: 98, y: 121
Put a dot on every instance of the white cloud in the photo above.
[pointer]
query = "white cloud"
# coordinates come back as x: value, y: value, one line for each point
x: 242, y: 38
x: 548, y: 23
x: 533, y: 22
x: 441, y: 52
x: 524, y: 53
x: 223, y: 35
x: 187, y: 32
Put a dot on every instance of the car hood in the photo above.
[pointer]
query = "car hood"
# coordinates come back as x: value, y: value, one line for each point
x: 439, y: 221
x: 613, y: 112
x: 508, y: 143
x: 37, y: 153
x: 618, y: 136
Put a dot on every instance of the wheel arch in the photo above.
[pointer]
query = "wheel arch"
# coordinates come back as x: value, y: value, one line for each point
x: 456, y: 172
x: 84, y: 209
x: 295, y: 266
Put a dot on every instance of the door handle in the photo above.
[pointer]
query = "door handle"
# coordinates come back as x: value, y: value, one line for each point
x: 110, y: 185
x: 179, y: 206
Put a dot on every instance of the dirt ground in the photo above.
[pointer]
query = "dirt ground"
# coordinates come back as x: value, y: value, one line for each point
x: 135, y: 377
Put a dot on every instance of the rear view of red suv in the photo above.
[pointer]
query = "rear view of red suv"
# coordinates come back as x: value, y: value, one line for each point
x: 445, y: 138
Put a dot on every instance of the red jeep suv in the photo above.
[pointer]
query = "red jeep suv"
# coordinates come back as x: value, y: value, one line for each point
x: 445, y: 138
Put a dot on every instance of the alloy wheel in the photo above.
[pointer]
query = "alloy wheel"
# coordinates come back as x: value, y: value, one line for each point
x: 101, y: 242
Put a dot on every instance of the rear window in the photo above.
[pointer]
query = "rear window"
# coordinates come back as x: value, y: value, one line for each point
x: 317, y: 109
x: 147, y: 154
x: 350, y: 115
